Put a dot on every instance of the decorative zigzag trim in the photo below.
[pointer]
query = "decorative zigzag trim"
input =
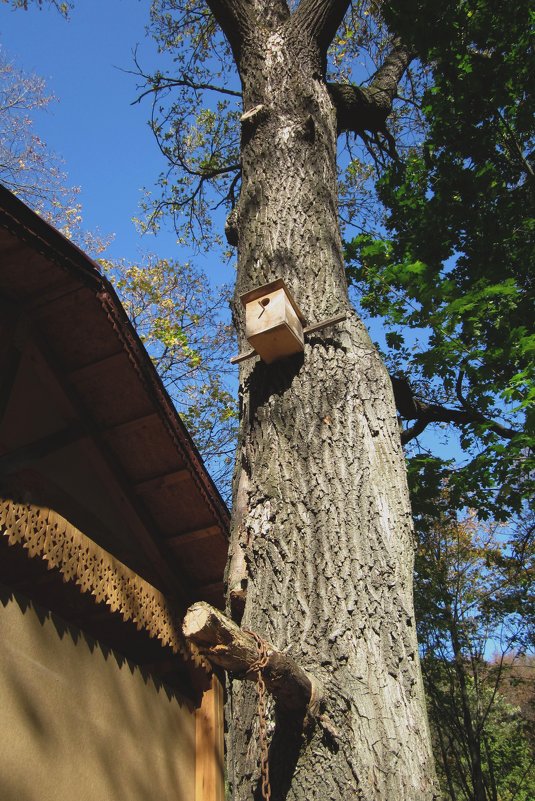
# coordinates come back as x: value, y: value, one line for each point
x: 47, y: 535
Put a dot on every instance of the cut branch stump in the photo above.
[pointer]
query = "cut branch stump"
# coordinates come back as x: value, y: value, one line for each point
x: 225, y: 644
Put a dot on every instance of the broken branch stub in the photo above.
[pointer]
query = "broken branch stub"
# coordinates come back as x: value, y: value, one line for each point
x: 227, y: 645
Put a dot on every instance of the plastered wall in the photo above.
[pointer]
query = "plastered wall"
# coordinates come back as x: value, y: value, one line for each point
x: 78, y: 723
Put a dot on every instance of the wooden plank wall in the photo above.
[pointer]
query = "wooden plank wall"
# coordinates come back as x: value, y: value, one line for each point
x: 209, y: 748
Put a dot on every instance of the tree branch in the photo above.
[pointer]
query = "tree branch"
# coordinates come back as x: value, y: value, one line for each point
x: 367, y: 108
x: 414, y: 431
x: 225, y: 644
x: 412, y: 408
x: 515, y: 148
x: 319, y: 19
x: 235, y: 19
x: 173, y: 83
x: 384, y: 85
x: 356, y: 110
x: 159, y: 82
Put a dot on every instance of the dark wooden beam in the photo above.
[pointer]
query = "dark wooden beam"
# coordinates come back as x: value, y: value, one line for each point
x: 11, y: 347
x: 130, y: 425
x: 162, y: 482
x: 192, y: 536
x: 38, y: 449
x: 91, y: 366
x: 136, y: 516
x: 58, y: 292
x: 8, y: 374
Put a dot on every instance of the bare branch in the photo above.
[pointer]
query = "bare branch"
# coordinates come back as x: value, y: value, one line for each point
x: 412, y: 408
x: 319, y: 19
x: 459, y: 389
x: 173, y: 83
x: 235, y: 19
x: 159, y: 83
x: 225, y: 644
x: 366, y: 108
x: 414, y: 431
x: 515, y: 148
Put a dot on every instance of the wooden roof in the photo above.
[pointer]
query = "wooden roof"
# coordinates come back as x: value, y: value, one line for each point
x: 100, y: 402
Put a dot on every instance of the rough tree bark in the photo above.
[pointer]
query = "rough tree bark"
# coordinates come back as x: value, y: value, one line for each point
x: 321, y: 541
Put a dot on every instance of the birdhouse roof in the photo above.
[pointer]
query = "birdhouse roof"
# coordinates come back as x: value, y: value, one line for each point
x: 265, y: 289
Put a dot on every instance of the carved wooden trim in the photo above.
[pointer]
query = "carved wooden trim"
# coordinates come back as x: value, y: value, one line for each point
x: 45, y: 534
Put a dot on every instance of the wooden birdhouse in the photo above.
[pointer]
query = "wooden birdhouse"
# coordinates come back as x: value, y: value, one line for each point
x: 273, y: 321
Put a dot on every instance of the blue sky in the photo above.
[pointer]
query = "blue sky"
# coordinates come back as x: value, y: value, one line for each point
x: 105, y: 142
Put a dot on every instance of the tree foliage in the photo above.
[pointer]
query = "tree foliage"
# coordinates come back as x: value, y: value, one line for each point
x: 473, y: 595
x: 462, y: 170
x: 196, y: 106
x: 27, y: 165
x: 180, y: 319
x: 454, y: 284
x: 59, y: 5
x: 195, y: 119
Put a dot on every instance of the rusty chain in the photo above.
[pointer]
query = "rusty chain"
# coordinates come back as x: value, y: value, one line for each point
x: 257, y: 667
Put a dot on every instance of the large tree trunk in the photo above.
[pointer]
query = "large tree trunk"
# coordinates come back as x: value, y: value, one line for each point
x: 321, y: 536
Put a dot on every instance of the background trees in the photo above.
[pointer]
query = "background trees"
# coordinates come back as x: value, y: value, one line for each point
x: 474, y: 599
x: 183, y: 322
x: 453, y: 285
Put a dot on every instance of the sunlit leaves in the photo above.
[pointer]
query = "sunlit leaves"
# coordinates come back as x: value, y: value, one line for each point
x: 180, y: 319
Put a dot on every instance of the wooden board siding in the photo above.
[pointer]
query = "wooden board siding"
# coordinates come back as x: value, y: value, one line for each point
x: 209, y: 770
